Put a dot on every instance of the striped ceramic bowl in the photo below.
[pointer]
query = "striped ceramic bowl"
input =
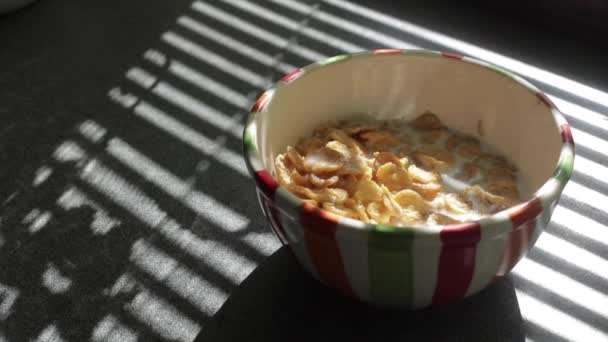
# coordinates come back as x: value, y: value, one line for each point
x: 411, y: 267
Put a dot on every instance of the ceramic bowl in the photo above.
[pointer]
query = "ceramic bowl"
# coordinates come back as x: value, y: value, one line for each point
x: 411, y: 267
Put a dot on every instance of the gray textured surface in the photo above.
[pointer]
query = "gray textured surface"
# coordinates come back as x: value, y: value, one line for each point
x: 126, y: 213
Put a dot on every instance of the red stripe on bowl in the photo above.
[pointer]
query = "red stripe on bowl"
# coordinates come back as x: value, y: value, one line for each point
x: 452, y: 55
x: 260, y: 103
x: 526, y: 211
x: 523, y: 218
x: 566, y: 133
x: 266, y: 183
x: 456, y: 261
x: 292, y: 75
x: 320, y: 234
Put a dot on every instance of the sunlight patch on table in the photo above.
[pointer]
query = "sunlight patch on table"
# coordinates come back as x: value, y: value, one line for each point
x: 581, y: 225
x: 233, y: 44
x: 163, y: 318
x: 289, y: 24
x: 8, y: 298
x: 563, y: 286
x: 582, y: 194
x: 182, y: 132
x: 556, y: 321
x: 54, y: 280
x: 202, y: 204
x: 50, y: 334
x: 208, y: 84
x: 205, y: 296
x: 184, y: 101
x: 213, y: 59
x: 572, y: 254
x: 110, y: 329
x: 256, y: 31
x: 346, y: 25
x: 74, y: 198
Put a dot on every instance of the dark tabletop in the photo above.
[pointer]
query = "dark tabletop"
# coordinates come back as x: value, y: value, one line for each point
x: 126, y: 212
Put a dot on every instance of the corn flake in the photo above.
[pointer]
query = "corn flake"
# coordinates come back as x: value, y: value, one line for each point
x: 419, y: 175
x: 457, y: 204
x: 392, y: 176
x: 426, y: 122
x: 323, y: 182
x: 428, y: 191
x: 324, y: 160
x: 410, y: 198
x: 368, y: 191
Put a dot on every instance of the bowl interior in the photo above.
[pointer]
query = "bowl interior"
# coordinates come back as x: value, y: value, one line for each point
x: 466, y: 96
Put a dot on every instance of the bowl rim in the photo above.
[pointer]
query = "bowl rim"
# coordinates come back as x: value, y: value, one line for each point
x: 542, y: 200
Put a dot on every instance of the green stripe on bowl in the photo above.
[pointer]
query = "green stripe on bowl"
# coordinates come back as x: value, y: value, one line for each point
x: 565, y: 166
x: 252, y: 155
x: 248, y: 140
x: 500, y: 71
x: 334, y: 59
x: 390, y: 266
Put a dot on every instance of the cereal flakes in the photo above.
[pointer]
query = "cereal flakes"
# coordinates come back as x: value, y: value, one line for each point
x: 373, y: 172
